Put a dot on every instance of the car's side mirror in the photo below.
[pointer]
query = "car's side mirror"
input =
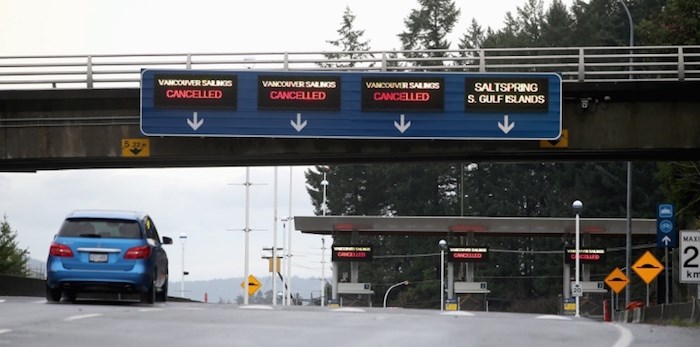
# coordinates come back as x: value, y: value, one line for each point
x: 167, y: 240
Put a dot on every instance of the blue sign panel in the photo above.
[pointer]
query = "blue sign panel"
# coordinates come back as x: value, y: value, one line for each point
x: 372, y: 105
x: 665, y: 226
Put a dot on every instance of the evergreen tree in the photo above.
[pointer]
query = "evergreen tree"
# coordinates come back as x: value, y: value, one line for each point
x: 350, y: 42
x: 13, y: 260
x: 677, y: 23
x: 557, y: 26
x: 681, y: 183
x: 427, y: 28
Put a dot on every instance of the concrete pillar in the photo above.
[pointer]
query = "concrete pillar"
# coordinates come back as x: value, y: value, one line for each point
x: 450, y: 280
x: 334, y: 282
x: 354, y: 266
x: 585, y: 268
x: 566, y: 275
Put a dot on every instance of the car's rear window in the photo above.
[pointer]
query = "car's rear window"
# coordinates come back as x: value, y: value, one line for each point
x: 100, y: 228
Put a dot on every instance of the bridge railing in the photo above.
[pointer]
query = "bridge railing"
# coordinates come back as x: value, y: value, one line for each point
x: 574, y: 64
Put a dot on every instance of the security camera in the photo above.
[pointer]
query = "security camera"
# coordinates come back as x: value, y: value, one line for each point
x: 584, y: 103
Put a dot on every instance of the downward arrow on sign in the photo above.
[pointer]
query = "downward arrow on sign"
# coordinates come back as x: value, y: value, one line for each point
x: 403, y: 126
x: 299, y: 125
x: 505, y: 126
x: 195, y: 123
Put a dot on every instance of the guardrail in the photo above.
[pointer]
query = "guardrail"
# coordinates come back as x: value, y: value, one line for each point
x: 574, y: 64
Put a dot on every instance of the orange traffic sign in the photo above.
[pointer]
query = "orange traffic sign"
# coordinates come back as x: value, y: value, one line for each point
x: 617, y: 280
x: 253, y: 285
x: 647, y: 267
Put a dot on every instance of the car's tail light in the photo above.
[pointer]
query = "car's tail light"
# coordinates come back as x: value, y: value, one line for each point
x: 140, y: 252
x: 60, y: 250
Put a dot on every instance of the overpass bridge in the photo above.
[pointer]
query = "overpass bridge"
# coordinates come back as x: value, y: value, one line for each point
x: 83, y: 111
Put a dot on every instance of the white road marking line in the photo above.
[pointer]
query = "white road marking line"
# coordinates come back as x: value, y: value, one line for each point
x: 2, y: 300
x: 457, y: 313
x: 349, y: 309
x: 82, y: 316
x: 626, y: 337
x: 150, y: 309
x: 552, y: 317
x: 4, y: 331
x: 40, y: 302
x: 255, y: 307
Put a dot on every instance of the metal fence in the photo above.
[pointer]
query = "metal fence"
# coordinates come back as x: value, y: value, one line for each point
x: 574, y: 64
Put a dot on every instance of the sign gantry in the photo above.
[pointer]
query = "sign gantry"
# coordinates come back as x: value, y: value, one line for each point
x: 372, y: 105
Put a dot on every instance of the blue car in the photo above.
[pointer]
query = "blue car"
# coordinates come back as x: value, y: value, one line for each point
x: 107, y: 251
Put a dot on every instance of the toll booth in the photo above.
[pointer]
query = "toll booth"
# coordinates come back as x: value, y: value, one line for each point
x: 468, y: 292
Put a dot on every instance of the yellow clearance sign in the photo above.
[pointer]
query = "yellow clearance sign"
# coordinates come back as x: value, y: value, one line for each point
x: 647, y: 267
x: 136, y: 148
x: 253, y: 285
x: 617, y: 280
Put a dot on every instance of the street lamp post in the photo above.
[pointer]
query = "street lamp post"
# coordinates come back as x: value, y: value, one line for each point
x: 443, y: 245
x: 324, y: 208
x: 577, y: 206
x: 183, y: 238
x: 386, y: 295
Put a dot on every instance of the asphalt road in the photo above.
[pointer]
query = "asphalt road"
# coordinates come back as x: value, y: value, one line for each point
x: 34, y: 322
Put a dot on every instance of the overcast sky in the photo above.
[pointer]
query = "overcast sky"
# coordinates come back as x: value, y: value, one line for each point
x: 200, y: 202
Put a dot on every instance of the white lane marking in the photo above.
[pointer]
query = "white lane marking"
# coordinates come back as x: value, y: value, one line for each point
x: 457, y: 313
x: 552, y: 317
x: 4, y: 331
x: 255, y: 307
x: 40, y: 302
x: 82, y: 316
x: 150, y: 309
x: 2, y: 300
x: 349, y: 309
x: 626, y: 337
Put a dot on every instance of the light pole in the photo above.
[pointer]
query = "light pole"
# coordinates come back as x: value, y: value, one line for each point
x: 443, y: 246
x: 577, y: 206
x: 631, y: 24
x: 324, y: 208
x: 183, y: 238
x: 386, y: 295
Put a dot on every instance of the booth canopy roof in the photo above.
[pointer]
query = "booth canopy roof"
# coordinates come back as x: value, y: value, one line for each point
x: 334, y: 225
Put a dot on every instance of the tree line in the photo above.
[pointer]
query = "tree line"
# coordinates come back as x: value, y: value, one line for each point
x: 529, y: 279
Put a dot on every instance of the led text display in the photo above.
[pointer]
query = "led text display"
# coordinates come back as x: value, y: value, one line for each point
x: 467, y: 254
x: 403, y: 94
x: 351, y: 253
x: 586, y: 255
x: 196, y: 91
x: 299, y: 93
x: 506, y: 94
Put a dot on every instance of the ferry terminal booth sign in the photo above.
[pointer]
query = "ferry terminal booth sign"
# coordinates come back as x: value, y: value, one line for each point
x: 467, y: 254
x: 586, y: 255
x: 351, y: 105
x: 351, y: 253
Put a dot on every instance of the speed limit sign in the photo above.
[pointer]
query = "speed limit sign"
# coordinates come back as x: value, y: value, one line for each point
x: 576, y: 290
x: 690, y: 256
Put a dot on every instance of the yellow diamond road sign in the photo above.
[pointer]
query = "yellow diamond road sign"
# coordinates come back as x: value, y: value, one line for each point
x: 253, y: 285
x: 617, y: 280
x: 647, y: 267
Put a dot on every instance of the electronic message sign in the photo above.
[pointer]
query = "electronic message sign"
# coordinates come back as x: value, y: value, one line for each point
x: 351, y: 253
x: 586, y: 255
x: 298, y: 93
x: 351, y: 105
x: 467, y: 254
x: 403, y: 94
x: 204, y: 91
x: 506, y: 94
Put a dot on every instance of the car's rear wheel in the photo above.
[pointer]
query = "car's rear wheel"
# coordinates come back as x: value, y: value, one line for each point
x: 162, y: 296
x: 149, y: 296
x: 53, y: 295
